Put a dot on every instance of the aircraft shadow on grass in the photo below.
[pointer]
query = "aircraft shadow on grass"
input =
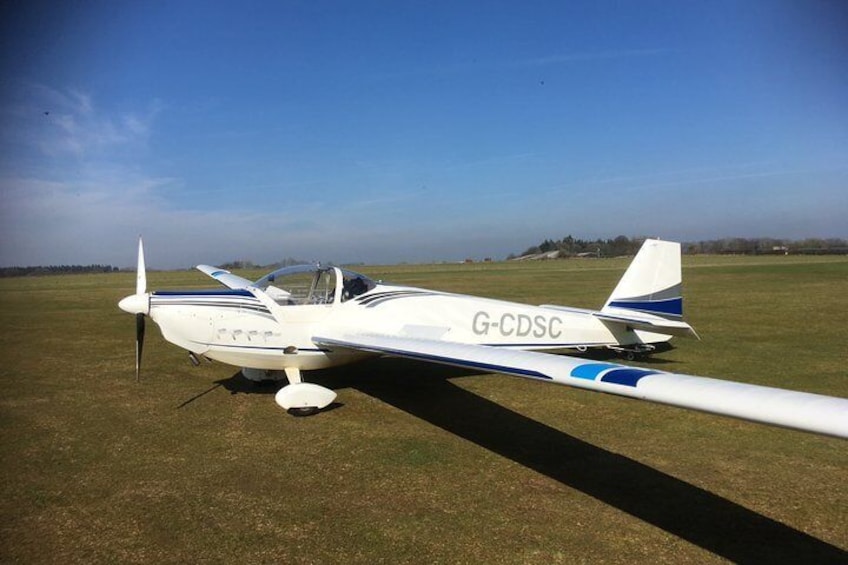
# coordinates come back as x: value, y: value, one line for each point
x: 700, y: 517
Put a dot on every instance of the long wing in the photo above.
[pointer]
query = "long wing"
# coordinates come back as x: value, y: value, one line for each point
x: 799, y: 410
x: 225, y: 277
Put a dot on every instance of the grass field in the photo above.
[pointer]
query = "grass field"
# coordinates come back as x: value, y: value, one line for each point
x: 421, y: 463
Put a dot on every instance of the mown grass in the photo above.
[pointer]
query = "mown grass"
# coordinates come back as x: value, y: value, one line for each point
x: 420, y: 463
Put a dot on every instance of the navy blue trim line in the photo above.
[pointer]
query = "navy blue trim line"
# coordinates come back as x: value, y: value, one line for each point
x: 531, y: 345
x: 375, y: 299
x: 227, y: 346
x: 490, y: 367
x: 241, y: 305
x: 472, y: 364
x: 223, y: 292
x: 233, y: 299
x: 668, y: 307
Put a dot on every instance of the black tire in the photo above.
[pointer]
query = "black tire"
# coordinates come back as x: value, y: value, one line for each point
x: 303, y: 411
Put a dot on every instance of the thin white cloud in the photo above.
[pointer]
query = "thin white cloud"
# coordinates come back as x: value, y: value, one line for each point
x: 67, y: 182
x: 461, y: 67
x: 72, y: 193
x: 589, y: 56
x: 88, y: 220
x: 728, y: 177
x: 59, y: 123
x: 495, y: 160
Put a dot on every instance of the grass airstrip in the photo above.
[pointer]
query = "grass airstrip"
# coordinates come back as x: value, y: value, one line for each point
x: 420, y: 463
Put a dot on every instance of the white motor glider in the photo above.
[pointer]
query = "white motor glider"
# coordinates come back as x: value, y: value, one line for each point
x: 311, y: 317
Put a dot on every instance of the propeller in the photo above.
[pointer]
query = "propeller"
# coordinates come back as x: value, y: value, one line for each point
x: 138, y: 304
x: 141, y: 272
x: 140, y: 289
x: 139, y: 343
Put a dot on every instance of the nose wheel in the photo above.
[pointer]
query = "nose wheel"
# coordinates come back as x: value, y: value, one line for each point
x: 301, y: 412
x: 303, y: 399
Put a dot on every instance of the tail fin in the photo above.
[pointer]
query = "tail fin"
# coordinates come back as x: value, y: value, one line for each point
x: 652, y: 284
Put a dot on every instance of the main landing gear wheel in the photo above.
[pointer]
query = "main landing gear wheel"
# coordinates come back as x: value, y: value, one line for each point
x: 633, y: 352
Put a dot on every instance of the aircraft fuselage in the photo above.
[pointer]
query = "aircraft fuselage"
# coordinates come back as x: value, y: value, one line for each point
x: 235, y: 327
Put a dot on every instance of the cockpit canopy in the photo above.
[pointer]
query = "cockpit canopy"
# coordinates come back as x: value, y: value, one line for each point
x: 313, y: 284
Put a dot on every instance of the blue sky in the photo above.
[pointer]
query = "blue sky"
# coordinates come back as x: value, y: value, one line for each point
x: 414, y: 131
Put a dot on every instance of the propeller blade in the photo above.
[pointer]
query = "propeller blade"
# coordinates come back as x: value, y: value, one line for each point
x: 138, y: 304
x: 141, y: 272
x: 139, y: 343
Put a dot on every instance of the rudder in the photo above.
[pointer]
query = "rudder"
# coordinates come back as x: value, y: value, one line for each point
x: 653, y: 283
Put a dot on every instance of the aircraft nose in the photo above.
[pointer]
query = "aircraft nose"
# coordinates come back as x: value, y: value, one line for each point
x: 135, y: 304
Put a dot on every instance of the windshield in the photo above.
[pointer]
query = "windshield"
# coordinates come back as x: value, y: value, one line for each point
x: 313, y: 284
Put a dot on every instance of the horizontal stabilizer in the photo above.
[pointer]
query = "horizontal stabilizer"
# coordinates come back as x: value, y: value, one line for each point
x: 634, y: 320
x: 653, y: 324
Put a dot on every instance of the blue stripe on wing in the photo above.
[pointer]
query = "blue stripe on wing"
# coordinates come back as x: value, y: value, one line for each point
x: 610, y: 373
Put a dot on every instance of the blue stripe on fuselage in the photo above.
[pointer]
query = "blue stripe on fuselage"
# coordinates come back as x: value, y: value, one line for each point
x: 205, y: 292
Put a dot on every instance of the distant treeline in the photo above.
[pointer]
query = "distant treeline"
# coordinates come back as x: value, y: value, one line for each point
x: 570, y: 246
x: 623, y: 245
x: 55, y: 270
x: 768, y: 246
